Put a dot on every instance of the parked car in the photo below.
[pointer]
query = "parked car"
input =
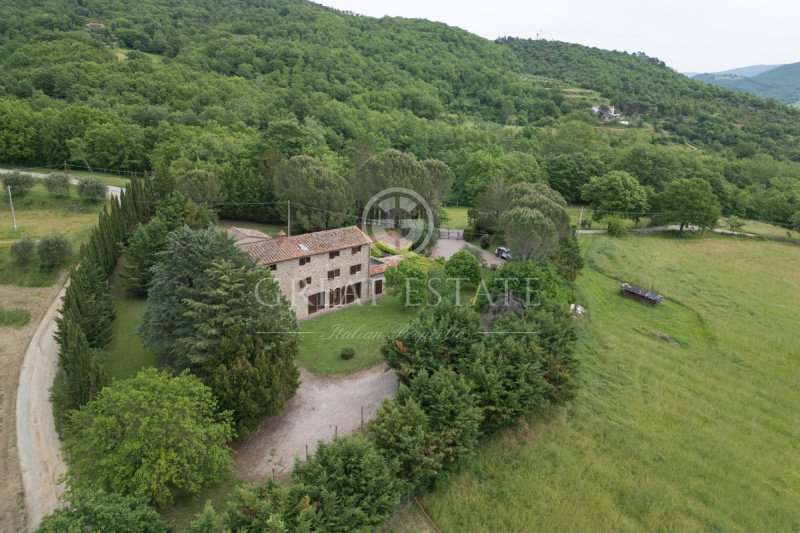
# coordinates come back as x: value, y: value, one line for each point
x: 503, y: 253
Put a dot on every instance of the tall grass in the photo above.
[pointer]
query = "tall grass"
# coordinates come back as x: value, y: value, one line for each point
x: 701, y: 435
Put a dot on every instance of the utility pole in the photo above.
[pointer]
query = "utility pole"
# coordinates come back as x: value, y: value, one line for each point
x: 288, y: 218
x: 11, y: 202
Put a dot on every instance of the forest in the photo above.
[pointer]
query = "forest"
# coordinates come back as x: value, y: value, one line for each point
x: 235, y: 88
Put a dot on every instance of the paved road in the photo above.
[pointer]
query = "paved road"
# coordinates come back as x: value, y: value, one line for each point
x: 39, y: 447
x: 112, y: 191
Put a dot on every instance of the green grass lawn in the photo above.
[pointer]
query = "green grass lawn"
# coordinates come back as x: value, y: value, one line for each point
x: 126, y: 353
x: 701, y: 435
x: 39, y: 214
x: 456, y: 218
x: 362, y: 327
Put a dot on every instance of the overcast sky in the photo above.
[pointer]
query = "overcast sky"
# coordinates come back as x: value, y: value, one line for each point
x: 689, y: 35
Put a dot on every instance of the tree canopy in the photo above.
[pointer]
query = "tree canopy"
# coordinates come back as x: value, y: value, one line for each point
x: 160, y: 436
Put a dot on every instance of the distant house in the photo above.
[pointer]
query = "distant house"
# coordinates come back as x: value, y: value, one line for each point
x: 606, y: 112
x: 316, y: 271
x: 639, y: 294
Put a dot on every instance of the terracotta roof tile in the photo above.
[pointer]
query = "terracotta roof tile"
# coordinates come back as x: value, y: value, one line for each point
x: 285, y: 248
x: 385, y: 263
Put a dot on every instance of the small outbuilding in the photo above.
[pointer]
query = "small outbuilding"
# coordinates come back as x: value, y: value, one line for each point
x: 639, y: 294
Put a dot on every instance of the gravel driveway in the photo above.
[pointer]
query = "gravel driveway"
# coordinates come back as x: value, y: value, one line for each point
x: 445, y: 248
x: 38, y: 444
x: 321, y: 407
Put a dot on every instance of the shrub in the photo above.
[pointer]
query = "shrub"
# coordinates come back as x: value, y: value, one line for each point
x: 57, y: 185
x: 92, y: 190
x: 486, y: 241
x: 21, y: 184
x: 735, y: 223
x: 54, y: 251
x: 383, y: 247
x: 401, y: 433
x: 464, y: 265
x: 99, y: 511
x: 22, y: 250
x: 616, y: 226
x: 586, y: 223
x: 454, y: 418
x: 352, y: 485
x: 348, y: 353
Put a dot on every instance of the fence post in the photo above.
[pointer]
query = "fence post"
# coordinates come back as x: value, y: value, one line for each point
x: 362, y: 416
x: 306, y: 453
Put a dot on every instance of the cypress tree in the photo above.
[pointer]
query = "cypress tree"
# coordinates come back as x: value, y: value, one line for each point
x: 82, y: 373
x: 88, y: 300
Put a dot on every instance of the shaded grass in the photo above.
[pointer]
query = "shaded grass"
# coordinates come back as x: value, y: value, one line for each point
x: 126, y: 354
x: 14, y: 317
x: 181, y: 513
x: 362, y: 327
x: 697, y: 436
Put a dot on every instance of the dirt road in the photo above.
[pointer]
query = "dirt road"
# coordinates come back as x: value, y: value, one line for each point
x: 13, y: 345
x: 39, y: 447
x: 112, y: 191
x: 321, y: 407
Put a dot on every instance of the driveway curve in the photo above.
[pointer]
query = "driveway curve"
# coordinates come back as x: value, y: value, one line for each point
x: 38, y: 444
x: 321, y: 408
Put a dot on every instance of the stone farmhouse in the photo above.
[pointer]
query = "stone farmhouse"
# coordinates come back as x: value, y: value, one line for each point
x: 320, y: 271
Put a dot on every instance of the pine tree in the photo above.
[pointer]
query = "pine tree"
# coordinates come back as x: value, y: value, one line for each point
x: 252, y: 374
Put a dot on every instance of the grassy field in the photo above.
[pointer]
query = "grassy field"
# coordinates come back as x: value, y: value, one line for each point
x: 362, y: 328
x: 456, y: 218
x: 38, y: 214
x: 14, y: 317
x: 758, y: 228
x: 700, y: 435
x: 127, y: 354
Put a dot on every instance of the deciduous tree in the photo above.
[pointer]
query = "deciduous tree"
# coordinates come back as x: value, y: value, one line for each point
x: 689, y: 202
x: 160, y: 436
x: 616, y: 193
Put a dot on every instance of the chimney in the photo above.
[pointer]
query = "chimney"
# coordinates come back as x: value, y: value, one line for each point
x: 282, y: 237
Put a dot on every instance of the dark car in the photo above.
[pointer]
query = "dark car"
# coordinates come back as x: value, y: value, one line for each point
x: 503, y: 253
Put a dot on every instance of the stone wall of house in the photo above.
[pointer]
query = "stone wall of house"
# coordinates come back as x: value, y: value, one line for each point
x: 292, y: 277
